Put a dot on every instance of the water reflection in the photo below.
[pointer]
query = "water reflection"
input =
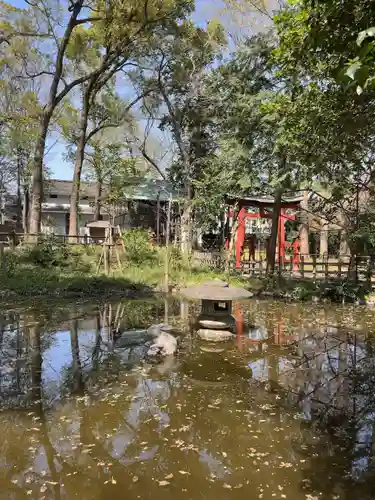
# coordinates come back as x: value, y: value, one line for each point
x: 285, y: 411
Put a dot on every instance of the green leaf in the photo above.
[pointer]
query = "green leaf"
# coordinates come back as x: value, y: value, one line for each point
x: 352, y: 69
x: 370, y: 32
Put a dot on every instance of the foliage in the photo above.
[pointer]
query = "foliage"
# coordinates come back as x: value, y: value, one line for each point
x: 48, y: 253
x: 361, y: 68
x: 137, y: 246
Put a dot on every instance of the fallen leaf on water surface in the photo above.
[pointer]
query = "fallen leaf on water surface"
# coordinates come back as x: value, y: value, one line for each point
x: 43, y: 488
x: 169, y: 476
x: 113, y: 480
x: 183, y: 472
x: 238, y: 486
x: 224, y: 454
x: 135, y: 479
x: 164, y: 483
x: 29, y: 492
x: 227, y: 486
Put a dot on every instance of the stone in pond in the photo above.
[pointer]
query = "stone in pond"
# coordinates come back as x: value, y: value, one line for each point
x: 164, y: 344
x: 156, y: 330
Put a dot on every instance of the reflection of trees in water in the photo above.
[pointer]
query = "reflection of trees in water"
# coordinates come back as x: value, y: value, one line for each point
x: 330, y: 375
x: 333, y: 382
x: 89, y: 361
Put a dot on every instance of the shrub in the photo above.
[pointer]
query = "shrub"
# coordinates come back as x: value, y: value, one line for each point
x: 11, y: 262
x: 49, y: 252
x: 137, y: 246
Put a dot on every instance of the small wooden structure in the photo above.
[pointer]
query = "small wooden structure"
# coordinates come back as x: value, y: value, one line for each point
x: 216, y: 317
x: 101, y: 229
x: 112, y: 235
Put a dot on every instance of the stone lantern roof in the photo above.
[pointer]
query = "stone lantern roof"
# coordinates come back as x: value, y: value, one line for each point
x: 216, y: 290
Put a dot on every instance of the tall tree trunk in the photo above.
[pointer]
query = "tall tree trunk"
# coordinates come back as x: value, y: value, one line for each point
x: 80, y: 154
x: 304, y: 227
x: 98, y: 196
x: 37, y: 176
x: 26, y: 209
x: 53, y: 100
x: 19, y: 199
x: 271, y: 257
x: 186, y: 224
x: 323, y: 238
x: 2, y: 201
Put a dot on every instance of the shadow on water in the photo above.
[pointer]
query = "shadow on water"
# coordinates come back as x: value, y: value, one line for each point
x: 287, y: 410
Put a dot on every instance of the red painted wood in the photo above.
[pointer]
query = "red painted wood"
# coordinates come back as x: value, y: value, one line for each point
x: 240, y: 236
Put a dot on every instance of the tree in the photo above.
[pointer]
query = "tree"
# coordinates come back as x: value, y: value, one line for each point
x: 115, y: 25
x: 330, y: 126
x: 114, y: 172
x: 248, y: 104
x: 102, y: 111
x: 181, y: 61
x: 20, y: 107
x: 100, y: 104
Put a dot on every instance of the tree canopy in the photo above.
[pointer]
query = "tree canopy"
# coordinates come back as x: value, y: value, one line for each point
x: 289, y: 108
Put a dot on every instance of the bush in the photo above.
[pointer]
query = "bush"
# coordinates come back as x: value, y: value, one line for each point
x: 11, y: 262
x: 49, y: 252
x: 137, y: 246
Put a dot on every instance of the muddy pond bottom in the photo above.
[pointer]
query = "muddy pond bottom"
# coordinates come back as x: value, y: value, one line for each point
x: 83, y: 421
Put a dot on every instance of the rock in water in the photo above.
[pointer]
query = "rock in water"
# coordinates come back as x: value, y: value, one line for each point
x: 156, y: 330
x: 164, y: 344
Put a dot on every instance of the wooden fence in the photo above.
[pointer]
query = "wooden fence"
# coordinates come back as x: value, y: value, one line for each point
x: 14, y: 239
x: 361, y: 268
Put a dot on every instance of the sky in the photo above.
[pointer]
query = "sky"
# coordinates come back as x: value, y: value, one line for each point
x: 205, y: 10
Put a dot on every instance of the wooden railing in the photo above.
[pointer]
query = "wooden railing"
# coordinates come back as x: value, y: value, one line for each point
x: 361, y: 268
x: 13, y: 239
x: 316, y: 267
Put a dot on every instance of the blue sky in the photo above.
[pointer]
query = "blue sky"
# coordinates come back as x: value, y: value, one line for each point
x: 205, y: 9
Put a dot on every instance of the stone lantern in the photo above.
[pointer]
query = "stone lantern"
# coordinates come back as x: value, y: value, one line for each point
x: 216, y: 320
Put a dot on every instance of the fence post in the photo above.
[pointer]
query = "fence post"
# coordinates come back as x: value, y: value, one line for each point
x: 326, y: 270
x: 369, y: 271
x: 339, y: 272
x: 302, y: 259
x: 2, y: 258
x: 105, y: 257
x: 314, y: 265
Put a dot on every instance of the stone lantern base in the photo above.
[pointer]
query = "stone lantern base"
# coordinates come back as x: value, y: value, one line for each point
x: 214, y: 322
x: 215, y: 335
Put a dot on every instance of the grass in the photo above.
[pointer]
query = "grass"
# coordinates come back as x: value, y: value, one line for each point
x: 59, y: 271
x: 51, y: 270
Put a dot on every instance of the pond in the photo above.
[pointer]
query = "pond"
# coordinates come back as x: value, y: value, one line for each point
x: 285, y: 411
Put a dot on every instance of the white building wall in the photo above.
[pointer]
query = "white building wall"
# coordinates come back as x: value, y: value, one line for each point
x: 53, y: 222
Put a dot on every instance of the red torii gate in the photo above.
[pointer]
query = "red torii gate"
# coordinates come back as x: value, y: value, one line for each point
x: 262, y: 203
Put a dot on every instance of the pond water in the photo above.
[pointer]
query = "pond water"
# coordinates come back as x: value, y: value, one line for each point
x: 286, y: 411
